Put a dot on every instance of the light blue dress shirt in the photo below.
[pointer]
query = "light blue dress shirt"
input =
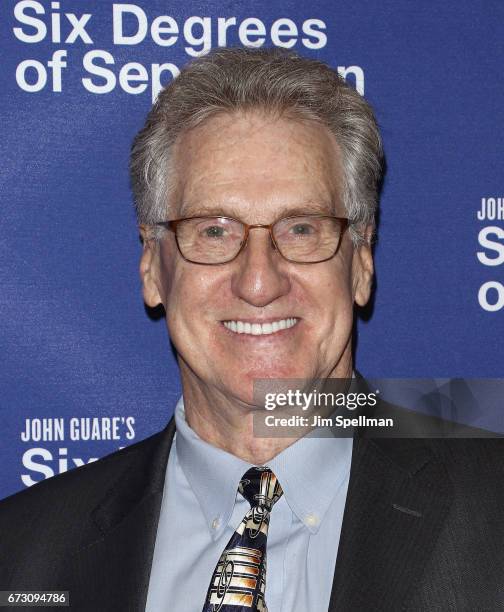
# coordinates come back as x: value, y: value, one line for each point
x: 201, y: 509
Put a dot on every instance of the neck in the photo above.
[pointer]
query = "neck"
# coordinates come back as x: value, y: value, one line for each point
x: 227, y: 422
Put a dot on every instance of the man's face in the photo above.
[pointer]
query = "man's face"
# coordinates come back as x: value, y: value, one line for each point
x: 257, y: 169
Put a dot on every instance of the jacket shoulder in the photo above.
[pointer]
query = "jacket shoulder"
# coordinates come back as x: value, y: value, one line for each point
x: 478, y: 460
x: 59, y: 513
x: 43, y: 526
x: 91, y: 478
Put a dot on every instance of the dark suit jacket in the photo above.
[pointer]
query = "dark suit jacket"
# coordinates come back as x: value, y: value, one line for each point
x: 423, y: 528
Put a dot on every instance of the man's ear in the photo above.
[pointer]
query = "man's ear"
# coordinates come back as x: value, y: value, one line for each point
x: 149, y: 267
x: 363, y: 269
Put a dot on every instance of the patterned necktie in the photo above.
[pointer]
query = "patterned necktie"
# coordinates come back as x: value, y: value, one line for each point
x: 239, y: 580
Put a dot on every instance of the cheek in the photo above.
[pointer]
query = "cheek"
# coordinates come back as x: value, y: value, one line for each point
x: 331, y: 290
x: 333, y: 308
x: 192, y: 295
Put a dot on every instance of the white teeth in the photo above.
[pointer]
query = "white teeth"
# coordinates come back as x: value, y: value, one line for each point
x: 267, y: 328
x: 260, y: 329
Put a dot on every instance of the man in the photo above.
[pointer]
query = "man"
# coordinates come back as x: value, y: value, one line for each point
x: 256, y: 179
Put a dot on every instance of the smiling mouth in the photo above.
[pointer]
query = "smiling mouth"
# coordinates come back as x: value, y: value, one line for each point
x: 260, y: 329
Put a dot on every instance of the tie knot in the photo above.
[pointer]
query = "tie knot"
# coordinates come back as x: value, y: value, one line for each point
x: 260, y: 487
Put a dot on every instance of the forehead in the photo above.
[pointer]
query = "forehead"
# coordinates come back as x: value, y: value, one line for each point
x: 256, y: 165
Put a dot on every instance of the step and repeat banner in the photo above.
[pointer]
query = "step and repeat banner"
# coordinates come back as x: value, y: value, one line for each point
x: 85, y: 368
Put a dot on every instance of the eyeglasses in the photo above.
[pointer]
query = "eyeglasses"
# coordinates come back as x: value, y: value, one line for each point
x: 219, y: 240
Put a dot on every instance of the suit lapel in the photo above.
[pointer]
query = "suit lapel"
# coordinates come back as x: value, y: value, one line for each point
x: 398, y: 499
x: 112, y: 572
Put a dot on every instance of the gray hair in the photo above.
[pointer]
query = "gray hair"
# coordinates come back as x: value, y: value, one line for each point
x: 270, y: 80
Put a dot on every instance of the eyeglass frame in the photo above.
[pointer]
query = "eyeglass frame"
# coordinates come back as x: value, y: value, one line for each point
x: 172, y: 226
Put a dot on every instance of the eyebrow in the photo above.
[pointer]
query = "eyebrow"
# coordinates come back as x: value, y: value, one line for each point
x: 306, y: 208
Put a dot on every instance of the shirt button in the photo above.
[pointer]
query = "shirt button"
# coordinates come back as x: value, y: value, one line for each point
x: 312, y: 520
x: 216, y: 523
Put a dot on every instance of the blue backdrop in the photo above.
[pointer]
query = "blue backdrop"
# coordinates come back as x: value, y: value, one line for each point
x: 77, y: 79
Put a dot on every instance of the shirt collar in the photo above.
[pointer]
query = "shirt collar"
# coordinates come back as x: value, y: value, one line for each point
x: 311, y: 472
x: 213, y: 474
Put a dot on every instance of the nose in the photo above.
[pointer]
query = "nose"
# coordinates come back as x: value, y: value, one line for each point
x: 260, y: 276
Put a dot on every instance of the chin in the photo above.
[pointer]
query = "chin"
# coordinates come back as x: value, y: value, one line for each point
x: 278, y: 368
